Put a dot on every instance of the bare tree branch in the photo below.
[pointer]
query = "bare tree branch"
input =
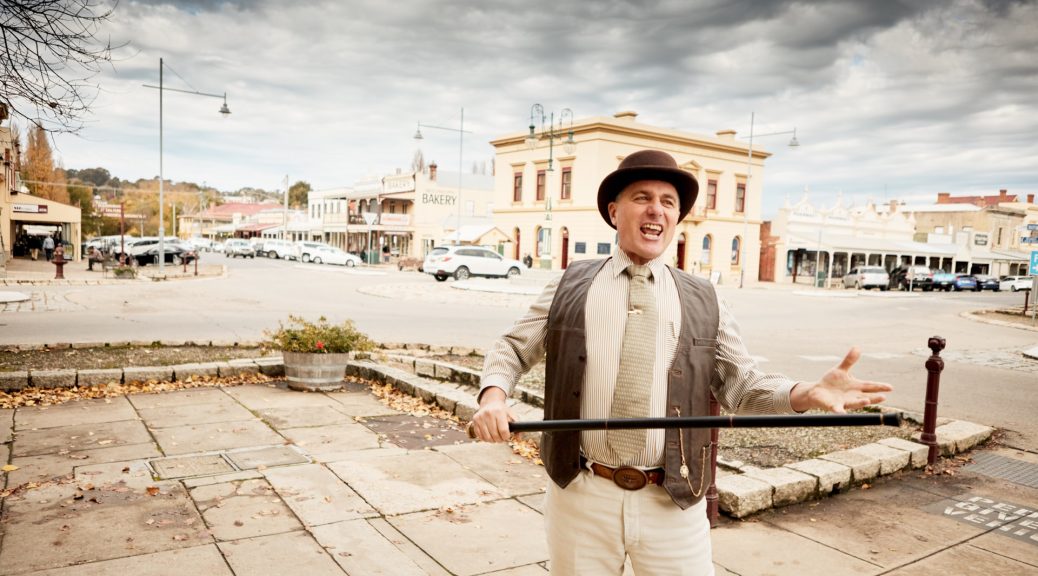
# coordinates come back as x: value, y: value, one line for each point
x: 51, y: 55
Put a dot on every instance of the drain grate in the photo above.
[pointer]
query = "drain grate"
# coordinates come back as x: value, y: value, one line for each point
x: 1011, y: 469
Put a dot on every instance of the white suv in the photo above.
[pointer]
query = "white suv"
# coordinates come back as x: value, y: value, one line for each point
x: 278, y: 249
x: 238, y: 247
x: 462, y: 262
x: 1014, y: 283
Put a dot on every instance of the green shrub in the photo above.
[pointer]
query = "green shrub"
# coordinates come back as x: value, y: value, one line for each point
x: 318, y: 337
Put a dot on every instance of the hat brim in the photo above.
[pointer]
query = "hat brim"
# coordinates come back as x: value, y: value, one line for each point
x: 613, y: 184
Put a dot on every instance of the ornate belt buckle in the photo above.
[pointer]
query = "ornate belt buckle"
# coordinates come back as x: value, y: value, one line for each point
x: 630, y: 478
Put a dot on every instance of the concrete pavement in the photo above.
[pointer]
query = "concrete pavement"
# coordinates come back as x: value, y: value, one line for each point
x: 258, y: 479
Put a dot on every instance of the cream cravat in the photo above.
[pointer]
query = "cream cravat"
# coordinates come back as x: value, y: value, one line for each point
x: 637, y: 358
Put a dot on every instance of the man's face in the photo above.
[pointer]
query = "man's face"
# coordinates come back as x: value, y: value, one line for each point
x: 645, y: 214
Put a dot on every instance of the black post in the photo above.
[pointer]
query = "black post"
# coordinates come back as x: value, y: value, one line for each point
x: 712, y: 511
x: 934, y: 366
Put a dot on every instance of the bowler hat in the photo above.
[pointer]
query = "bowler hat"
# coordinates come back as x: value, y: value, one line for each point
x: 648, y: 165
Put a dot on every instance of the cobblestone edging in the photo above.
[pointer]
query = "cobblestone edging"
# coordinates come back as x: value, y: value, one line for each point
x: 220, y: 272
x: 742, y: 489
x: 981, y: 316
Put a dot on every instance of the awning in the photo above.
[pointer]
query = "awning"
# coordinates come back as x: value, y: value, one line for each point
x: 847, y: 243
x: 255, y: 227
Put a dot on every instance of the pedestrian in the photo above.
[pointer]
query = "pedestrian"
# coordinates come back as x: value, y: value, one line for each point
x: 48, y: 247
x: 528, y: 260
x: 630, y: 336
x: 34, y: 247
x: 94, y: 256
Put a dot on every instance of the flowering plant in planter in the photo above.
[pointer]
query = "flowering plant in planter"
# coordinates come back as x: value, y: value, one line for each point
x: 321, y: 337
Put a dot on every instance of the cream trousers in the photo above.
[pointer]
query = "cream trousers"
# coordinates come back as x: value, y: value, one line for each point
x: 593, y: 524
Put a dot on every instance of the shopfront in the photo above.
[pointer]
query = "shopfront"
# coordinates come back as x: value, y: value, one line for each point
x: 27, y: 220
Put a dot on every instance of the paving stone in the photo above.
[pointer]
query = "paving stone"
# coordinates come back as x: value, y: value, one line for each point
x: 442, y: 371
x: 890, y: 459
x: 99, y: 376
x: 458, y: 539
x: 955, y: 560
x: 398, y: 483
x: 16, y: 380
x: 741, y: 496
x: 188, y: 466
x: 918, y: 452
x: 103, y: 525
x: 266, y: 457
x: 128, y: 473
x: 361, y: 404
x: 168, y: 416
x: 188, y: 397
x: 75, y: 413
x: 425, y: 368
x: 146, y: 373
x: 790, y: 486
x: 466, y: 408
x: 496, y: 463
x: 45, y: 467
x: 227, y: 369
x: 831, y: 477
x: 416, y: 432
x: 303, y: 416
x: 329, y: 443
x: 410, y: 549
x: 759, y: 548
x: 293, y: 553
x: 316, y: 495
x: 243, y: 509
x: 535, y: 501
x: 360, y: 549
x: 221, y: 478
x: 205, y: 560
x: 214, y: 437
x: 265, y: 396
x: 194, y: 371
x: 80, y: 437
x: 52, y: 378
x: 862, y: 467
x: 6, y: 425
x: 273, y: 366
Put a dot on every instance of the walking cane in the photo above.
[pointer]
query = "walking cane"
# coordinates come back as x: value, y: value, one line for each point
x: 771, y: 421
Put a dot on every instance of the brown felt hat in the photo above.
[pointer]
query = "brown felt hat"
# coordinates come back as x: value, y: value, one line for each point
x: 647, y: 165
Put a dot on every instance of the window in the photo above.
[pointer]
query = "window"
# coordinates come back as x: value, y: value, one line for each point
x: 740, y: 197
x: 543, y: 242
x: 541, y: 178
x: 711, y: 195
x: 567, y: 183
x: 603, y: 247
x: 735, y: 249
x: 704, y: 257
x: 580, y: 247
x: 517, y: 187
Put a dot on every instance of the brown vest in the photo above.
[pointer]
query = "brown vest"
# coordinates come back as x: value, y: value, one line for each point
x: 688, y: 385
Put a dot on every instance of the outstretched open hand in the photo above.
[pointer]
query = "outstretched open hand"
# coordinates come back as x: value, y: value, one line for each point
x: 838, y: 391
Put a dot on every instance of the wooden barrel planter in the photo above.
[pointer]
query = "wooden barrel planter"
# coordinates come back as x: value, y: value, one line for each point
x: 315, y: 372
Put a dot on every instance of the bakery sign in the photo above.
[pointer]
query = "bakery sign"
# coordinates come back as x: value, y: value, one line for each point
x: 393, y: 184
x: 980, y: 239
x: 29, y: 208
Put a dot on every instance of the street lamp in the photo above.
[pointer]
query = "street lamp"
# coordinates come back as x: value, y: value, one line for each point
x: 223, y: 110
x: 793, y: 143
x: 461, y: 140
x: 551, y: 134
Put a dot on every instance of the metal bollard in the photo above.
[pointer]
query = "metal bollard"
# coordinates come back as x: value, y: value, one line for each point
x: 934, y: 366
x: 711, y: 492
x: 197, y: 254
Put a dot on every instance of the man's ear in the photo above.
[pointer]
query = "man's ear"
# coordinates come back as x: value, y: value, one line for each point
x: 612, y: 213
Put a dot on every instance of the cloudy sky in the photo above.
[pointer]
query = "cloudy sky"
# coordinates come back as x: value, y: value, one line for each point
x: 891, y: 100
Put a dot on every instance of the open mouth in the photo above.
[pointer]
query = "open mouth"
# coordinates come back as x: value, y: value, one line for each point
x: 652, y: 230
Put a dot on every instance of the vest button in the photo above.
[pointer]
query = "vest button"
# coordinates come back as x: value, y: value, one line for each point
x: 576, y: 394
x: 582, y: 358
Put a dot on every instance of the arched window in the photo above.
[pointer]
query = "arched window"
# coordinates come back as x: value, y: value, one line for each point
x: 736, y: 242
x: 544, y: 242
x: 704, y: 257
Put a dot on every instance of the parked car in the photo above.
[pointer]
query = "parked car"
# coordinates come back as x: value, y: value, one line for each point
x: 1015, y: 283
x: 283, y: 249
x: 305, y: 249
x: 906, y: 277
x: 333, y: 255
x: 462, y: 262
x: 965, y: 282
x: 867, y: 277
x: 238, y: 247
x: 985, y: 282
x: 943, y: 280
x: 146, y: 251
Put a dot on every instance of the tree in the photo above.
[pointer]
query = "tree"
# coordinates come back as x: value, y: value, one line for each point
x: 298, y: 194
x: 38, y: 169
x: 82, y: 195
x: 50, y: 54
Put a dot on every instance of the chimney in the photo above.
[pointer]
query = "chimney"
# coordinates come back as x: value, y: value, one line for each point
x: 943, y: 197
x: 432, y: 172
x: 1030, y: 198
x: 1002, y: 195
x: 726, y: 134
x: 626, y: 115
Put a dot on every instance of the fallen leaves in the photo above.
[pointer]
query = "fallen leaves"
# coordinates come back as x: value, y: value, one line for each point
x: 9, y: 468
x: 152, y: 490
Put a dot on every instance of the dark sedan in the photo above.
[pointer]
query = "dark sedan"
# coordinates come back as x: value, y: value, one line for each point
x: 985, y: 282
x: 965, y: 282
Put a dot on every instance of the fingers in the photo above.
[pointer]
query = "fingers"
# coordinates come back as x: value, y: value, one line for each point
x: 490, y: 423
x: 852, y: 357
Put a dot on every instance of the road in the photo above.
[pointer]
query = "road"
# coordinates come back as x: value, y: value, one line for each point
x: 791, y: 331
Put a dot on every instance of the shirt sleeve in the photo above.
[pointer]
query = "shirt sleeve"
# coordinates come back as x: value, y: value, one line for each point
x: 522, y: 347
x: 739, y: 385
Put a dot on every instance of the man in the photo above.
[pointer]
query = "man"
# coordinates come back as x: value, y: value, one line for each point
x: 629, y: 336
x: 48, y: 247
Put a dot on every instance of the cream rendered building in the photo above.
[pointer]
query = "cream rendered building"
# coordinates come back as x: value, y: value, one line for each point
x: 551, y: 212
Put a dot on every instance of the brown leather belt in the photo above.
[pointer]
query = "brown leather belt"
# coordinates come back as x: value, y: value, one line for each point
x: 627, y: 477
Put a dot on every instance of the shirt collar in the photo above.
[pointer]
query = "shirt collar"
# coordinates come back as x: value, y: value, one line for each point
x: 621, y: 261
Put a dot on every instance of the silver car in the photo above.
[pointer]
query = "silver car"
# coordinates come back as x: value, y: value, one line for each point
x: 462, y: 262
x: 867, y: 277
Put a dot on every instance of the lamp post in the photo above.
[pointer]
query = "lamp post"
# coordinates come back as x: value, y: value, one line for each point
x: 223, y: 110
x: 551, y: 133
x: 793, y: 143
x: 461, y: 141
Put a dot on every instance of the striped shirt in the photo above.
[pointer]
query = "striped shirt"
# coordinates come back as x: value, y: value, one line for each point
x: 739, y: 386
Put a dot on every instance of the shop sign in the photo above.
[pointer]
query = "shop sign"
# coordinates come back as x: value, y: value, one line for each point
x: 980, y: 239
x: 392, y: 184
x: 30, y: 208
x: 395, y: 219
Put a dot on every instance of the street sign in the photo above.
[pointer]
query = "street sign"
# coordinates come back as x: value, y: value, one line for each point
x: 1034, y: 262
x: 1032, y: 226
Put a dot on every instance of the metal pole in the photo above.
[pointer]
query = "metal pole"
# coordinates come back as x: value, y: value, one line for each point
x: 284, y: 219
x: 934, y: 366
x: 461, y: 148
x: 162, y: 225
x: 712, y: 502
